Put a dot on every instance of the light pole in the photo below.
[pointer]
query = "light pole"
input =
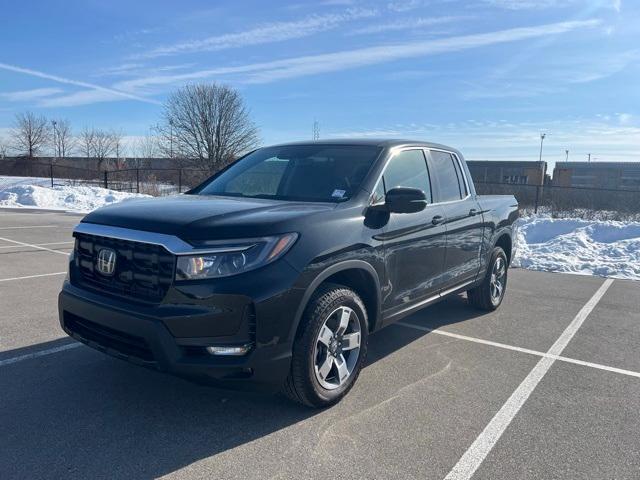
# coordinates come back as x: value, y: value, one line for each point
x: 589, y: 157
x: 542, y: 136
x: 170, y: 138
x: 56, y: 151
x: 567, y: 157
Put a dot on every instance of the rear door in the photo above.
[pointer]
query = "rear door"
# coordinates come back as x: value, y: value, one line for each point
x: 414, y: 245
x: 463, y: 218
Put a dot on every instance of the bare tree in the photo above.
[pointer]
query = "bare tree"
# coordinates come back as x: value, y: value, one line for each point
x: 99, y: 144
x: 63, y: 140
x: 207, y: 124
x: 30, y: 134
x: 3, y: 148
x: 143, y: 149
x: 117, y: 136
x: 105, y: 144
x: 86, y: 142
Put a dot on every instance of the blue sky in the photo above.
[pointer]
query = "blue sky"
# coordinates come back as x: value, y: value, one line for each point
x: 485, y: 76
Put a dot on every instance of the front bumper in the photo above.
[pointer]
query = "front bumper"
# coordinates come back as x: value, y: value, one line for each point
x: 173, y: 337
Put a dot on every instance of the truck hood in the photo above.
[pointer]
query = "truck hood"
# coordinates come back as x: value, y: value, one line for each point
x: 205, y: 217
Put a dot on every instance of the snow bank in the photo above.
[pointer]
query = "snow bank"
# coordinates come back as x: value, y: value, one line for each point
x: 74, y: 198
x: 586, y: 247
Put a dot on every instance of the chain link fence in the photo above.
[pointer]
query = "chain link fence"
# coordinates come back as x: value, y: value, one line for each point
x: 558, y: 200
x: 151, y: 181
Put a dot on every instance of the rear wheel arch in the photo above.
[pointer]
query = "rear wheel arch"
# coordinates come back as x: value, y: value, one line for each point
x: 505, y: 242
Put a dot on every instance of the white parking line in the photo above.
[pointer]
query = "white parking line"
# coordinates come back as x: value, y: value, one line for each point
x: 37, y: 244
x: 40, y: 353
x: 33, y: 246
x: 28, y: 226
x: 31, y: 276
x: 484, y: 443
x: 537, y: 353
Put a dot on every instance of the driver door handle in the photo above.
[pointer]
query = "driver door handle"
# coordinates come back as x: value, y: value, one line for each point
x: 473, y: 212
x: 437, y: 220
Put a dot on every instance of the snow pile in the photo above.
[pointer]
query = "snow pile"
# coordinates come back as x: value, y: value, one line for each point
x: 7, y: 181
x: 75, y: 198
x: 586, y: 247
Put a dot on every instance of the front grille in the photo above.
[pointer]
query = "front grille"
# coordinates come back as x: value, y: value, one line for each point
x: 143, y: 271
x: 108, y: 338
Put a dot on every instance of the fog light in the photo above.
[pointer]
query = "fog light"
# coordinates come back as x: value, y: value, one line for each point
x: 228, y: 350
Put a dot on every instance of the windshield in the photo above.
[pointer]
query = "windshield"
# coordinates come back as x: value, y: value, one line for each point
x: 320, y: 173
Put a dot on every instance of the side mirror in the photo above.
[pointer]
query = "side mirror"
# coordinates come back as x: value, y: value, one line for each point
x: 405, y: 200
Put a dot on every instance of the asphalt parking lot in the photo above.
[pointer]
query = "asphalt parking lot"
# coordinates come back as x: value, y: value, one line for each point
x: 546, y: 387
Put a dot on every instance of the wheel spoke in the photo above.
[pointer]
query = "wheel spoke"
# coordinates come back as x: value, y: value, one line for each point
x: 325, y: 368
x: 351, y: 341
x: 343, y: 371
x: 345, y: 314
x: 498, y: 289
x: 325, y: 335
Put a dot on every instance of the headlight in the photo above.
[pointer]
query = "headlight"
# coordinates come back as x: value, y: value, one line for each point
x: 231, y: 257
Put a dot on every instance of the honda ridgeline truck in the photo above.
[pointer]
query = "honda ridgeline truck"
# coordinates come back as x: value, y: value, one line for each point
x: 275, y: 270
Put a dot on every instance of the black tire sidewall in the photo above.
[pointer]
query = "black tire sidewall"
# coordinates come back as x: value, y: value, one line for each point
x: 306, y: 345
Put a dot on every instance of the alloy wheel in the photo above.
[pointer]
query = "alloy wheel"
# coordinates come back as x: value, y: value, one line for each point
x: 498, y: 278
x: 337, y: 348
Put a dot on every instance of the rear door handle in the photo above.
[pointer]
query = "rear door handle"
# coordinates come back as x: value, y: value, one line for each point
x: 437, y: 220
x: 473, y: 212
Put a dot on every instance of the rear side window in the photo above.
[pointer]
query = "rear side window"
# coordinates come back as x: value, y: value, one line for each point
x: 449, y: 177
x: 408, y: 169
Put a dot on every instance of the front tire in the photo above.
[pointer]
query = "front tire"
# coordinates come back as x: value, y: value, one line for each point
x: 489, y: 294
x: 330, y: 347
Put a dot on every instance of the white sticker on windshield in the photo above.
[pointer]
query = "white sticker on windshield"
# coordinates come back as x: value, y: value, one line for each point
x: 338, y: 193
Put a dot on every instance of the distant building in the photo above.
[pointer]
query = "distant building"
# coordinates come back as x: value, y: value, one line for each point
x: 615, y: 175
x: 521, y: 173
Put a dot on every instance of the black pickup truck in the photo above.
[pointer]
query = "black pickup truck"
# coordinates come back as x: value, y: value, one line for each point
x: 275, y: 270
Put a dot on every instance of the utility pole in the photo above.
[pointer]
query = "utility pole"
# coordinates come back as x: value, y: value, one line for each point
x: 542, y: 136
x: 589, y: 157
x: 316, y: 130
x: 567, y: 157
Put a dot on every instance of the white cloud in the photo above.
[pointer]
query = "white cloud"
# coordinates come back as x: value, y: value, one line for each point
x: 552, y: 77
x: 268, y: 33
x: 592, y: 69
x: 83, y: 97
x: 404, y: 5
x: 270, y: 71
x: 625, y: 118
x: 26, y: 95
x: 407, y: 24
x: 98, y: 88
x: 547, y: 4
x: 133, y: 69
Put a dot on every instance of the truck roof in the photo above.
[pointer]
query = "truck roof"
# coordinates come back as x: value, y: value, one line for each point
x: 376, y: 142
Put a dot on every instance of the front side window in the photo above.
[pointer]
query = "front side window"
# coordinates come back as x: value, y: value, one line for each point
x: 408, y: 169
x: 320, y: 173
x: 448, y: 175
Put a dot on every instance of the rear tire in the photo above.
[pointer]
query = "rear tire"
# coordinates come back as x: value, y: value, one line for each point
x: 330, y: 348
x: 490, y: 293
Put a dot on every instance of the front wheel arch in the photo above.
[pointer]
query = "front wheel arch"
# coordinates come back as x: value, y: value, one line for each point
x: 336, y: 274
